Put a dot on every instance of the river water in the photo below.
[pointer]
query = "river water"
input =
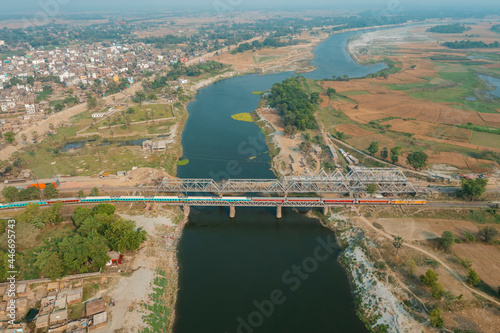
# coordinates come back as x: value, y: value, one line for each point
x: 255, y: 273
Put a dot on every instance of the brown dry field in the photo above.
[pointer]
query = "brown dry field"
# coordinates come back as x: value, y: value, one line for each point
x: 270, y: 60
x: 485, y: 260
x: 352, y: 130
x: 426, y: 120
x: 424, y: 229
x: 467, y: 319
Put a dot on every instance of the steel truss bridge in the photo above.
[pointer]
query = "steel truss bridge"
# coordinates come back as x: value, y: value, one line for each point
x: 391, y: 181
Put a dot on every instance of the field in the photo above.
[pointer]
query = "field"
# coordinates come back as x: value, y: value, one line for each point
x: 424, y: 229
x: 421, y: 106
x: 485, y: 260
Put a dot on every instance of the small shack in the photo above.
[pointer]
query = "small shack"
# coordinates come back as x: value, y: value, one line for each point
x: 58, y: 317
x: 115, y: 258
x: 95, y: 307
x: 42, y: 321
x: 99, y: 320
x: 74, y: 295
x: 21, y: 289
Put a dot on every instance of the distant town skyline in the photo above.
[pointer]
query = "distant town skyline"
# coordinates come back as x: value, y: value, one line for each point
x: 60, y: 6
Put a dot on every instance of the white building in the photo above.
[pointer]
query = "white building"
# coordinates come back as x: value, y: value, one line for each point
x: 30, y: 108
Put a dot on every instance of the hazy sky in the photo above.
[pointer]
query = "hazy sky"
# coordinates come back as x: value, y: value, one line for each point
x: 116, y: 5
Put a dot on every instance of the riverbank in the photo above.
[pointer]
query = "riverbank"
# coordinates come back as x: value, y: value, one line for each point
x: 378, y: 295
x: 145, y: 299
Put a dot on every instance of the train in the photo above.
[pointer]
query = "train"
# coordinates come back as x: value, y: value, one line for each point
x: 187, y: 200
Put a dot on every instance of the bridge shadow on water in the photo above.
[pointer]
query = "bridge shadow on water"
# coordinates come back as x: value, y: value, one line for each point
x: 231, y: 271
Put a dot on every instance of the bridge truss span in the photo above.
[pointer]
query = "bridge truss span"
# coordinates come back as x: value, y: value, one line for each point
x: 356, y: 181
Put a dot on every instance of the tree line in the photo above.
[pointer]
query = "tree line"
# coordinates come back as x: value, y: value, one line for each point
x: 95, y: 232
x: 295, y: 103
x: 449, y: 28
x: 467, y: 44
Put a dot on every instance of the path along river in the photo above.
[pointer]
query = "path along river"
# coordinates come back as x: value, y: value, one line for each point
x: 254, y: 273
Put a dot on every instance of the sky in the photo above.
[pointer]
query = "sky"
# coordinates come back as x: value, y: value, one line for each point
x: 234, y: 5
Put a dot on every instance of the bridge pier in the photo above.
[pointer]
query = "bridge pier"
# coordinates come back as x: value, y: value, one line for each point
x: 278, y: 212
x: 186, y: 209
x: 326, y: 210
x: 232, y: 212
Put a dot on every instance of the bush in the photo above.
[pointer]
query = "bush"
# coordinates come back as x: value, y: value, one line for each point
x: 469, y: 236
x: 473, y: 278
x: 437, y: 291
x: 488, y: 233
x: 430, y: 278
x: 447, y: 240
x: 435, y: 318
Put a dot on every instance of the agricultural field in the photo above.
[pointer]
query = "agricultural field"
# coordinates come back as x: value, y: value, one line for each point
x: 438, y: 101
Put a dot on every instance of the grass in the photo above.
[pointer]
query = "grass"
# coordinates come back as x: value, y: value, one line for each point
x: 355, y: 92
x: 259, y: 60
x: 158, y: 317
x: 76, y: 311
x: 183, y: 162
x: 247, y: 117
x: 258, y: 93
x: 485, y: 139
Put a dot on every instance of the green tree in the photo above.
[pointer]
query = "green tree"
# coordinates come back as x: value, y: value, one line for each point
x: 372, y: 188
x: 10, y: 193
x: 9, y: 137
x: 417, y: 160
x: 473, y: 278
x: 473, y: 188
x: 488, y: 233
x: 104, y: 208
x: 81, y: 194
x: 429, y: 278
x: 50, y: 191
x: 437, y: 290
x: 384, y: 153
x: 50, y: 264
x: 123, y: 236
x: 412, y: 266
x: 373, y: 148
x: 91, y: 103
x: 80, y: 215
x: 398, y: 243
x: 395, y: 152
x: 447, y: 240
x: 139, y: 97
x: 469, y: 236
x: 330, y: 92
x: 435, y: 318
x: 94, y: 192
x: 51, y: 215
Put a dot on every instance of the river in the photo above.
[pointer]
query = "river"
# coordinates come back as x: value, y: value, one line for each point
x: 254, y: 273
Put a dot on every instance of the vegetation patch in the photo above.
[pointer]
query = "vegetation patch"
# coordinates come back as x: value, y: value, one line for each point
x: 258, y: 93
x: 183, y: 162
x: 245, y: 116
x: 158, y: 317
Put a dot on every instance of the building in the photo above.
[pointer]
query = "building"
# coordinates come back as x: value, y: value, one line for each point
x: 98, y: 115
x: 30, y: 108
x: 74, y: 296
x: 95, y: 307
x: 115, y: 258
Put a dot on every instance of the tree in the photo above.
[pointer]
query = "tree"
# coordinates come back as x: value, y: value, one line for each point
x: 447, y: 240
x: 473, y: 188
x: 398, y: 243
x: 384, y: 153
x: 417, y: 160
x: 429, y: 278
x: 372, y: 188
x: 122, y: 236
x: 330, y: 92
x: 413, y: 266
x: 395, y: 152
x: 50, y: 191
x: 91, y: 103
x: 473, y: 278
x: 437, y: 290
x: 488, y: 233
x: 81, y: 194
x: 80, y: 215
x: 9, y: 137
x: 373, y: 148
x: 94, y: 192
x: 10, y: 193
x: 24, y: 137
x: 104, y: 208
x: 140, y: 96
x: 50, y: 264
x: 435, y: 318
